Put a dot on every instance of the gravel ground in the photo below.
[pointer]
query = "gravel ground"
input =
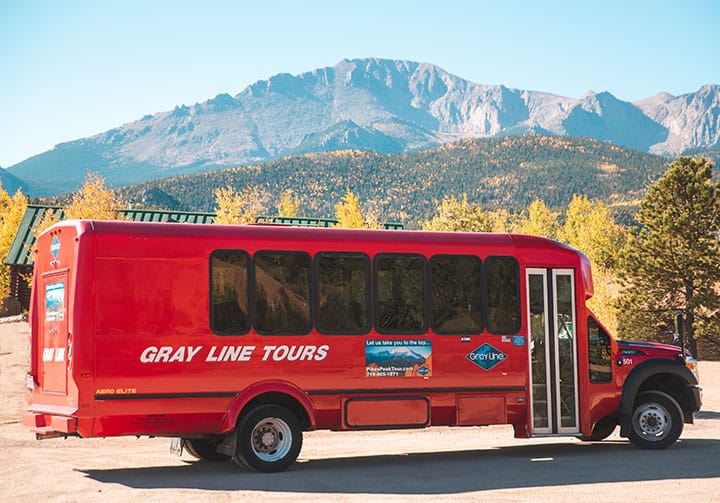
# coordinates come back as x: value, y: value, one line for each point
x: 443, y: 464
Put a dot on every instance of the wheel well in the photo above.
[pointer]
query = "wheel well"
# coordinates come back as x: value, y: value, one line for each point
x: 671, y: 384
x: 276, y: 398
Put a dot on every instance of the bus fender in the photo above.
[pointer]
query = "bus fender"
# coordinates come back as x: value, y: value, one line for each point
x: 640, y: 375
x: 285, y: 388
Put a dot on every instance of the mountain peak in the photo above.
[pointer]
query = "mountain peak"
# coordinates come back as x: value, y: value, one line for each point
x: 369, y: 104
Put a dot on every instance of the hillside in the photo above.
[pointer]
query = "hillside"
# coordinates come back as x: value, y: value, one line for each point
x: 505, y: 172
x: 370, y: 104
x: 10, y: 183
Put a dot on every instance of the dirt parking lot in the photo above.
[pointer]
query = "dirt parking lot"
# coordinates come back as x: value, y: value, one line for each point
x: 441, y: 464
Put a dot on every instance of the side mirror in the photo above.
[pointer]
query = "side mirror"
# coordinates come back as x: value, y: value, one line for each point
x: 678, y: 335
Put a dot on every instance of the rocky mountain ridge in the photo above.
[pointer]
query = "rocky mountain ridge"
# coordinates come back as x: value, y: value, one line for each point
x: 367, y: 104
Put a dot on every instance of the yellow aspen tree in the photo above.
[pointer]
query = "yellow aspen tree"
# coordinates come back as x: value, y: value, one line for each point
x: 12, y: 210
x: 289, y: 205
x: 94, y: 201
x: 47, y: 220
x: 456, y: 215
x: 501, y: 220
x: 605, y: 296
x: 240, y: 207
x: 590, y: 228
x: 348, y: 212
x: 539, y: 220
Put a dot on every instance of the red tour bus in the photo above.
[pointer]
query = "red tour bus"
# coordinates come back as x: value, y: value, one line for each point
x: 236, y: 339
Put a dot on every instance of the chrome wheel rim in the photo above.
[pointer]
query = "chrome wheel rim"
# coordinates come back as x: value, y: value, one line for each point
x: 271, y: 439
x: 652, y: 421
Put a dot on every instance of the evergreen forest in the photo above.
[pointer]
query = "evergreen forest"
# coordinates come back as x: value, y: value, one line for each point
x: 507, y: 173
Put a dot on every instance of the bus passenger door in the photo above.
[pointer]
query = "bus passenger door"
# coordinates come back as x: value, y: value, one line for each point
x: 553, y: 351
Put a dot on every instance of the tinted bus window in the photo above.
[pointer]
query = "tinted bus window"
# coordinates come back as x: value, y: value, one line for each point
x: 456, y: 294
x: 343, y: 293
x: 503, y: 295
x: 282, y: 293
x: 599, y: 359
x: 229, y: 292
x: 400, y: 293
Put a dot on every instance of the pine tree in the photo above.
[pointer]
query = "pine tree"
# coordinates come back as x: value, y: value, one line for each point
x: 672, y: 263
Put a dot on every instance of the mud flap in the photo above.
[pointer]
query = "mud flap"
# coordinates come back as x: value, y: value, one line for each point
x: 176, y: 446
x: 229, y: 444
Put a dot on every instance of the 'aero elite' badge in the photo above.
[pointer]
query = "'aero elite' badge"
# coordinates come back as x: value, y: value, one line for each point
x: 486, y: 356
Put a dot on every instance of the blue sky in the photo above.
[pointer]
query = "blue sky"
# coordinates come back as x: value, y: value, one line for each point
x: 74, y: 69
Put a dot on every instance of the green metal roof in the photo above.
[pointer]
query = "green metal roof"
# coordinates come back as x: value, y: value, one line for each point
x: 296, y: 221
x: 312, y: 222
x: 20, y: 252
x: 21, y: 249
x: 182, y: 217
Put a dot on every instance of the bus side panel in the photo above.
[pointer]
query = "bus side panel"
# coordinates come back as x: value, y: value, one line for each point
x: 155, y: 353
x: 152, y: 324
x: 159, y: 416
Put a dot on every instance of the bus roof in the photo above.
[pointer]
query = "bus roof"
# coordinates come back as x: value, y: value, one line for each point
x: 272, y: 232
x: 530, y: 251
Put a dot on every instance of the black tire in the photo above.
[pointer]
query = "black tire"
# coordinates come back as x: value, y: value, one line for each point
x: 656, y: 422
x: 602, y: 430
x: 269, y: 439
x: 202, y: 448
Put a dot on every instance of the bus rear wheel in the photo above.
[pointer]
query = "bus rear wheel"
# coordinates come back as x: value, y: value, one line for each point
x: 269, y: 439
x: 657, y: 420
x: 204, y: 449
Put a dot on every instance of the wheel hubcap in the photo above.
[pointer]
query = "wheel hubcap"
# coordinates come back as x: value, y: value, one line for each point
x: 652, y: 421
x: 271, y: 439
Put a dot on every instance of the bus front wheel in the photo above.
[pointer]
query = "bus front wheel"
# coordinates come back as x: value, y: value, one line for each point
x: 269, y: 439
x: 657, y: 420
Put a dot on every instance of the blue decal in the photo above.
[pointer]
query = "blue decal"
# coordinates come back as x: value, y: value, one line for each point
x: 486, y: 356
x: 55, y: 247
x: 518, y: 340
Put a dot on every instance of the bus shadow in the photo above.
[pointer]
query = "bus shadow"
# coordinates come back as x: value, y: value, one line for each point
x: 441, y: 472
x: 707, y: 414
